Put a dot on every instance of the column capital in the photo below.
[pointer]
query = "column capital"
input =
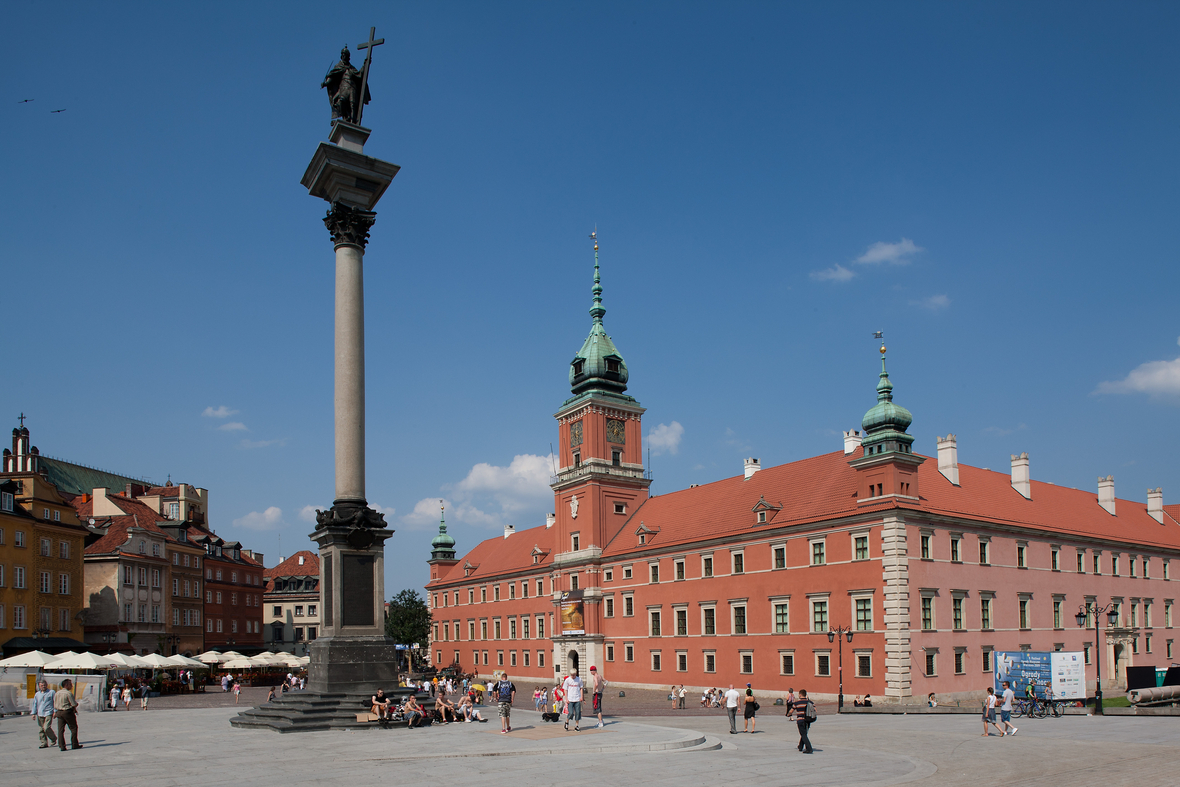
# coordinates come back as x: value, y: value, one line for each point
x: 349, y: 226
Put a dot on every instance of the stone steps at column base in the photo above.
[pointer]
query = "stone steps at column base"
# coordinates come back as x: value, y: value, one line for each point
x: 309, y: 712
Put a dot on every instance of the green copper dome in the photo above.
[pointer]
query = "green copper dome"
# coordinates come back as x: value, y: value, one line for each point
x: 885, y: 413
x: 442, y: 546
x: 598, y: 365
x: 886, y: 423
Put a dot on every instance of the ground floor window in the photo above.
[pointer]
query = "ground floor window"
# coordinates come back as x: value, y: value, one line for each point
x: 823, y: 664
x: 960, y: 660
x: 747, y: 663
x: 682, y: 662
x: 655, y: 661
x: 786, y: 663
x: 710, y: 662
x: 628, y: 653
x: 525, y: 654
x: 930, y: 663
x: 864, y: 665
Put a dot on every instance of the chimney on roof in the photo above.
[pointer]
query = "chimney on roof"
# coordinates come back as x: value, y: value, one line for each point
x: 948, y: 458
x: 281, y: 559
x: 509, y: 530
x: 1155, y: 504
x: 301, y: 560
x: 852, y: 440
x: 752, y: 466
x: 1020, y: 478
x: 103, y: 505
x: 550, y: 520
x: 1106, y: 493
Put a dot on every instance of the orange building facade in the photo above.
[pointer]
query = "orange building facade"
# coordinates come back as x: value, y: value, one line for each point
x: 931, y: 565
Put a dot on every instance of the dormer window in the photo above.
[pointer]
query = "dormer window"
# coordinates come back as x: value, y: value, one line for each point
x: 612, y: 365
x: 761, y: 517
x: 642, y: 539
x: 579, y: 365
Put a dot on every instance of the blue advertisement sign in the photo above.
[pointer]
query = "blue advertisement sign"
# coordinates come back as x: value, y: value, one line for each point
x: 1019, y: 666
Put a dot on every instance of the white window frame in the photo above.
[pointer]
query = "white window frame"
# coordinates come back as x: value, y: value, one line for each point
x: 856, y: 654
x: 815, y: 658
x: 786, y: 652
x: 734, y: 554
x: 775, y: 602
x: 811, y: 542
x: 812, y: 599
x: 861, y: 595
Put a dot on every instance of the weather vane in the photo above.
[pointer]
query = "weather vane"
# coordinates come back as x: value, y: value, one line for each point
x: 594, y: 237
x: 880, y: 335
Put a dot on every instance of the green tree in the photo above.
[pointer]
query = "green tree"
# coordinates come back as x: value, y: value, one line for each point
x: 409, y: 619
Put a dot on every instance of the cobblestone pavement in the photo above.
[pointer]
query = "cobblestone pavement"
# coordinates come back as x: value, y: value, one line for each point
x: 197, y: 745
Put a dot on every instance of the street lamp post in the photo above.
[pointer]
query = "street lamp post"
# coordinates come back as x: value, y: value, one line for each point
x: 1112, y: 619
x: 833, y: 635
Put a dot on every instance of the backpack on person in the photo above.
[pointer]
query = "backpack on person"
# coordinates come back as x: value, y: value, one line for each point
x: 504, y: 691
x: 809, y: 712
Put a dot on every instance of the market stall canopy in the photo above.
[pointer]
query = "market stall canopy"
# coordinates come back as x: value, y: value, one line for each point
x: 241, y: 663
x: 81, y: 661
x: 136, y: 661
x: 34, y: 658
x: 118, y: 659
x: 282, y: 654
x: 156, y: 660
x: 262, y: 660
x: 184, y: 661
x: 211, y: 657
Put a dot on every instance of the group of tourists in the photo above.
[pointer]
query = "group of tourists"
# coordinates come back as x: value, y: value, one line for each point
x: 124, y: 689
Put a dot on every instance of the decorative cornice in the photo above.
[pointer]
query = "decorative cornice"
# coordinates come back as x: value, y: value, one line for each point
x: 349, y: 226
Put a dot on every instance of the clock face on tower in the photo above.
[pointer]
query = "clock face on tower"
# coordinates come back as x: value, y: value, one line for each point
x: 616, y: 431
x: 576, y: 433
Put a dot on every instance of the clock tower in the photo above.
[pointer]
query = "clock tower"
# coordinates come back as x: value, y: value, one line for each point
x: 601, y: 481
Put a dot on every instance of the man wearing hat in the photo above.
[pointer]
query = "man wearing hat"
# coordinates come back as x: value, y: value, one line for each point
x: 599, y: 685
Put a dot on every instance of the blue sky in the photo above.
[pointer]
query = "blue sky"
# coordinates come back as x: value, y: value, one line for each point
x: 993, y: 185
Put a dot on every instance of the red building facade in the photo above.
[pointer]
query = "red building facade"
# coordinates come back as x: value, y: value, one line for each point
x: 932, y: 565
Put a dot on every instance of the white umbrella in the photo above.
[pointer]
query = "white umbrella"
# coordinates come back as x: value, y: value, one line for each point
x: 156, y: 660
x: 184, y: 661
x: 292, y: 662
x: 34, y: 658
x: 305, y: 660
x: 262, y: 660
x: 118, y: 659
x: 137, y: 662
x: 211, y: 657
x: 232, y: 653
x: 81, y: 661
x: 242, y: 663
x: 282, y: 654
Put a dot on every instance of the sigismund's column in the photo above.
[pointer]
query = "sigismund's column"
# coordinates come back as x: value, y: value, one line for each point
x: 352, y: 654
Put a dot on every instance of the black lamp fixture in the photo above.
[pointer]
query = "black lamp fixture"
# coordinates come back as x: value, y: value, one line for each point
x: 833, y: 634
x: 1112, y: 620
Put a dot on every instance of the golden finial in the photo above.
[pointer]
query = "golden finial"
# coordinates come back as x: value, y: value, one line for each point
x: 594, y: 237
x: 882, y: 349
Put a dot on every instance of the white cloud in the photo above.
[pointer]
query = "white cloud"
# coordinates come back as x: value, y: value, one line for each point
x: 219, y: 412
x: 893, y: 253
x: 934, y: 303
x: 665, y: 438
x: 837, y: 273
x: 233, y: 426
x: 307, y: 513
x: 270, y: 519
x: 248, y: 444
x: 492, y: 496
x: 1158, y: 378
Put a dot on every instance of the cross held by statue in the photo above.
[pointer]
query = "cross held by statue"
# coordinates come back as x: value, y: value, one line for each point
x: 369, y: 45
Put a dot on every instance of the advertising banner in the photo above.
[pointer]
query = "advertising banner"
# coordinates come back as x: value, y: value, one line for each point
x: 87, y: 688
x: 1065, y: 671
x: 1069, y: 675
x: 14, y: 689
x: 573, y: 620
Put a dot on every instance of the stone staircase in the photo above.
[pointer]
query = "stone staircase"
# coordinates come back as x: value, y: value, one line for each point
x: 308, y: 711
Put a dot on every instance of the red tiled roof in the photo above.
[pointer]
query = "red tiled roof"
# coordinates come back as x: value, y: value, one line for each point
x: 291, y: 568
x: 496, y: 556
x: 164, y: 491
x: 136, y: 514
x: 824, y: 488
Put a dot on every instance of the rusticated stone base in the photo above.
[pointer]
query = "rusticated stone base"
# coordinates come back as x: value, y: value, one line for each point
x: 309, y: 711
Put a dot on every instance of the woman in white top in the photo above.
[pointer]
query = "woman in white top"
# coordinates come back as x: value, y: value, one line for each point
x: 989, y: 712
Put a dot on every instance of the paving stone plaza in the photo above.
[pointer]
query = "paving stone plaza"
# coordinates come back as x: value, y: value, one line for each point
x: 197, y: 746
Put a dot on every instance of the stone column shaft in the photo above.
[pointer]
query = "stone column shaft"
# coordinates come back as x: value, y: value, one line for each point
x: 350, y: 374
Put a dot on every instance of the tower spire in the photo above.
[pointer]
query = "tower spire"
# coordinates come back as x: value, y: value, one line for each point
x: 596, y: 311
x: 884, y: 388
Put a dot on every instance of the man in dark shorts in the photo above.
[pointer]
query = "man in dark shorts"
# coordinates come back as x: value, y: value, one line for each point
x: 599, y: 685
x: 505, y: 694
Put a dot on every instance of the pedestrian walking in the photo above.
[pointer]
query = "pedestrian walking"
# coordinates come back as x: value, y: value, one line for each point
x: 804, y: 715
x: 65, y: 708
x: 127, y: 697
x: 143, y: 697
x: 1006, y: 710
x: 573, y: 698
x: 225, y: 682
x: 505, y: 694
x: 114, y: 698
x: 599, y: 687
x: 751, y: 708
x: 681, y: 694
x: 731, y: 707
x: 237, y: 691
x: 989, y: 713
x: 43, y: 710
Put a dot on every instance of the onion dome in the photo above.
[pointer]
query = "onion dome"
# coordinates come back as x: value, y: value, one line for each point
x: 442, y: 546
x: 598, y: 365
x: 886, y: 423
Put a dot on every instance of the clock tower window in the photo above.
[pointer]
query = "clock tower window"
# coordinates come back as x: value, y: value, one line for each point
x: 577, y: 459
x: 616, y: 458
